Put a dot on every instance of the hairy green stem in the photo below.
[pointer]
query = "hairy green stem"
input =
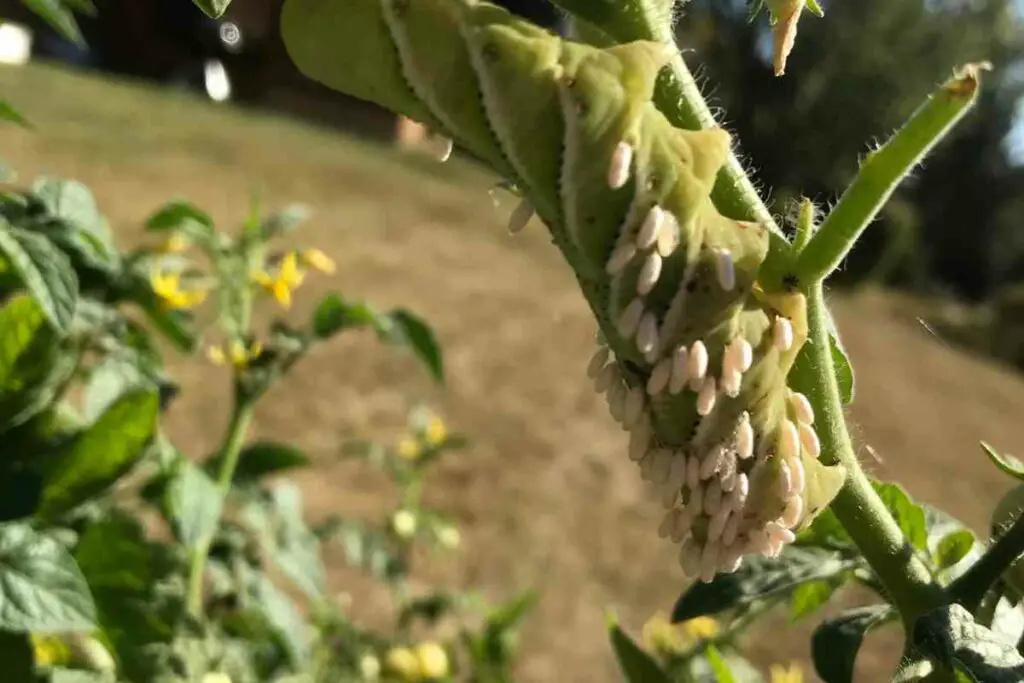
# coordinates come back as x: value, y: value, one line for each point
x: 970, y: 587
x: 234, y: 439
x: 882, y: 171
x: 858, y: 507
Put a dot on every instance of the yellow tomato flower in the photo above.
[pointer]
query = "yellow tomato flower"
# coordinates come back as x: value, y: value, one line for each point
x: 408, y: 449
x: 661, y: 635
x: 318, y: 260
x: 436, y: 431
x: 787, y: 674
x: 433, y: 660
x: 288, y: 278
x: 401, y: 661
x: 177, y: 243
x: 238, y: 353
x: 167, y: 286
x: 49, y: 651
x: 701, y: 628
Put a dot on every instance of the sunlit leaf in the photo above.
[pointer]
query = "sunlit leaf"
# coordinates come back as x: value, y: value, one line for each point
x: 760, y: 578
x: 1006, y: 462
x: 950, y: 637
x: 909, y: 515
x: 195, y: 504
x: 41, y: 587
x: 101, y: 455
x: 810, y: 597
x: 45, y: 272
x: 213, y: 8
x: 282, y: 531
x: 954, y: 547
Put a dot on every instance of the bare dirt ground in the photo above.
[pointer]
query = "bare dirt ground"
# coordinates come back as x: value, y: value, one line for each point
x: 545, y: 496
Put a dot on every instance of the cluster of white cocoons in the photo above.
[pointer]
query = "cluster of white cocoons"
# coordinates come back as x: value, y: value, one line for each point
x: 711, y: 488
x: 705, y: 490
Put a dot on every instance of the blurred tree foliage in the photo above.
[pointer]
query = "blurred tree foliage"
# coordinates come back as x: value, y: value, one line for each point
x: 852, y: 79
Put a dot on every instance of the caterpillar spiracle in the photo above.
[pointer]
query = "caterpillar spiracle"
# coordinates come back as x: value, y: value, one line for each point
x: 692, y: 355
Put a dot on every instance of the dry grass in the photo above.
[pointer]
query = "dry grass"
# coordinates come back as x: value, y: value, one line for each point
x: 545, y: 496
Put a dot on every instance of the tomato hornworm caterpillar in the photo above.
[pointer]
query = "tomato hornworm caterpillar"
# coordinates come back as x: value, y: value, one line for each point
x: 693, y: 356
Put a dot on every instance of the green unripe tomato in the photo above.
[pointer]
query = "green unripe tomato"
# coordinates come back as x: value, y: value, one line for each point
x: 1006, y: 513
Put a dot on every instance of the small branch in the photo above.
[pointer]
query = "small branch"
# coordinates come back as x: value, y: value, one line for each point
x: 233, y: 442
x: 804, y: 225
x: 970, y: 587
x: 883, y: 170
x: 906, y: 579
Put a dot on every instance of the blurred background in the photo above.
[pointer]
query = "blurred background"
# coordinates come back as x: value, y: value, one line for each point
x: 164, y: 101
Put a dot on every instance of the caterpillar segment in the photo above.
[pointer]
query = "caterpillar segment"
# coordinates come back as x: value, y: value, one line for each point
x: 692, y: 356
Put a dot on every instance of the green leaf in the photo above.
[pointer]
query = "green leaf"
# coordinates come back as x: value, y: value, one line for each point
x: 826, y: 531
x: 72, y: 201
x: 283, y: 221
x: 195, y: 503
x: 835, y: 643
x: 213, y: 8
x: 261, y: 459
x: 511, y: 613
x: 333, y: 314
x: 719, y: 667
x: 841, y: 362
x: 909, y: 515
x: 32, y: 365
x: 129, y: 576
x: 431, y: 608
x: 410, y: 330
x: 284, y: 618
x: 10, y: 114
x: 811, y: 596
x: 59, y: 15
x: 181, y: 215
x: 45, y: 272
x: 282, y: 531
x: 954, y: 547
x: 637, y: 665
x: 950, y: 637
x: 109, y: 380
x: 1007, y: 463
x: 41, y: 587
x: 100, y: 456
x: 759, y: 578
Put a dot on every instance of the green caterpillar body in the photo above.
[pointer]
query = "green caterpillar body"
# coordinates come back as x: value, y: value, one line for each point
x: 693, y: 355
